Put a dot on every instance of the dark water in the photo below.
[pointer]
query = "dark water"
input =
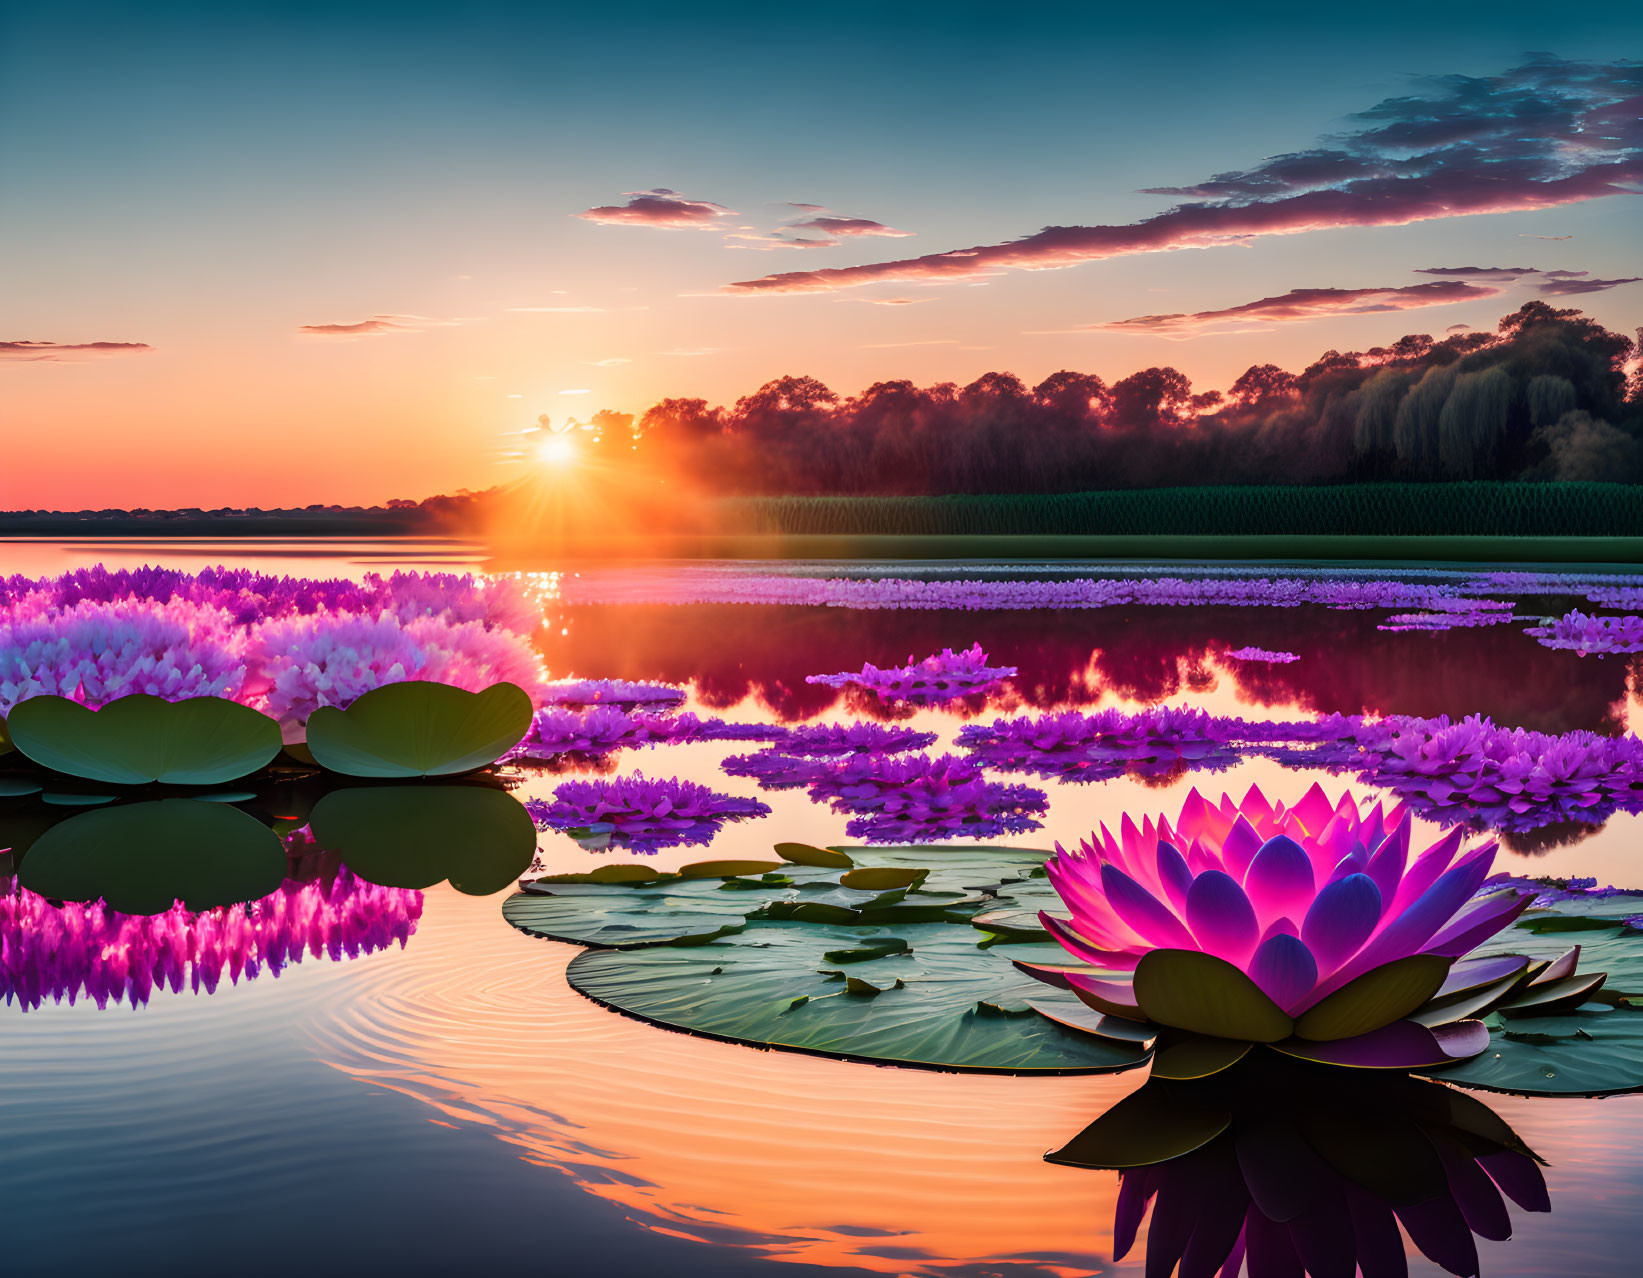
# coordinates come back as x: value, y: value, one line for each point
x: 450, y: 1103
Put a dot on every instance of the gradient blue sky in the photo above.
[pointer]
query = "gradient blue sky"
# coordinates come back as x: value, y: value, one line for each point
x: 208, y: 179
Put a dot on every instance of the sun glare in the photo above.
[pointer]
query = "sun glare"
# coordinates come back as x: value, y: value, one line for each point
x: 559, y: 450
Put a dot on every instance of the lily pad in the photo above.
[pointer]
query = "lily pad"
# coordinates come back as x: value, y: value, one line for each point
x: 413, y: 836
x: 143, y: 858
x: 139, y: 739
x: 419, y: 729
x: 804, y: 854
x: 1591, y: 1051
x: 942, y: 1003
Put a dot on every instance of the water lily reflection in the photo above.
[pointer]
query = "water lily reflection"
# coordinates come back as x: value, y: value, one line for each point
x: 1278, y: 1167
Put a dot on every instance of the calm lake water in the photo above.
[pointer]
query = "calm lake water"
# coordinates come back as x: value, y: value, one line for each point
x: 452, y: 1104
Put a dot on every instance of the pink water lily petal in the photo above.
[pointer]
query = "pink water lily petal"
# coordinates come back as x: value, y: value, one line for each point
x: 1174, y: 875
x: 1080, y: 946
x: 1280, y: 879
x: 1341, y: 919
x: 1144, y: 912
x: 1221, y: 917
x: 1285, y: 970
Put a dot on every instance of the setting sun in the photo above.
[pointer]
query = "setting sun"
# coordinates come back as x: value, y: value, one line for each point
x: 557, y: 450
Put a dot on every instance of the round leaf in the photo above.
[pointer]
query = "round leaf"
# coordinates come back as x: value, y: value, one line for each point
x: 141, y: 739
x: 480, y: 839
x: 770, y: 984
x: 419, y: 729
x: 804, y: 854
x: 1602, y: 1056
x: 1206, y: 995
x: 142, y: 858
x: 880, y: 878
x: 1380, y: 996
x: 726, y: 869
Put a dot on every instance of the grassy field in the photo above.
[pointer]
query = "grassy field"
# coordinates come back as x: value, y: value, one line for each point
x: 1585, y: 552
x: 1460, y: 510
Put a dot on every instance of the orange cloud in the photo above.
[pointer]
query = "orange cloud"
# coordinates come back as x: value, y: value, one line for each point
x: 67, y: 352
x: 1302, y: 304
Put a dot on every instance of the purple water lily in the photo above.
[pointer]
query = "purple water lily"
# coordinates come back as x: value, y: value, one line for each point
x: 643, y: 813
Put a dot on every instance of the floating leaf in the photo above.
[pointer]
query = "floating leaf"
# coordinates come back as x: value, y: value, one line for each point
x: 1380, y: 996
x: 143, y: 858
x: 1206, y: 995
x: 413, y: 836
x: 804, y: 854
x: 419, y: 729
x: 1591, y: 1051
x: 878, y: 878
x: 726, y: 869
x: 956, y: 1007
x: 139, y: 739
x: 1399, y: 1046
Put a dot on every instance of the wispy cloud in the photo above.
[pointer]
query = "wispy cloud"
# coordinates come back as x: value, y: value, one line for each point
x: 67, y: 352
x: 1571, y: 285
x: 776, y: 240
x: 1542, y: 135
x: 1301, y: 304
x: 831, y: 224
x: 1483, y: 272
x: 377, y: 325
x: 660, y: 207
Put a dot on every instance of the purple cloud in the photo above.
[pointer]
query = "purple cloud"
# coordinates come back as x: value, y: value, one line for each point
x: 1568, y: 287
x: 659, y: 207
x: 850, y: 226
x: 1542, y: 135
x: 377, y: 324
x: 67, y: 352
x: 1302, y: 304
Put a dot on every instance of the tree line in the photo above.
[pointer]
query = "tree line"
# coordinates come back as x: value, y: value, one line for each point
x: 1550, y: 395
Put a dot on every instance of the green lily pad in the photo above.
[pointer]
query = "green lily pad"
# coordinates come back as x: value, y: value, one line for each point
x: 6, y: 746
x: 1587, y: 1052
x: 419, y: 729
x: 942, y: 1003
x: 726, y: 869
x: 143, y: 858
x: 139, y: 739
x: 804, y: 854
x: 619, y: 921
x: 1380, y: 996
x: 413, y: 836
x: 1203, y: 994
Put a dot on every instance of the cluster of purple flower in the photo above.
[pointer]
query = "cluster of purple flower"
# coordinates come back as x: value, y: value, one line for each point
x: 64, y: 951
x: 603, y: 728
x: 1471, y: 772
x: 946, y: 676
x: 643, y: 813
x: 281, y: 644
x: 1096, y: 747
x: 719, y: 587
x: 611, y: 692
x: 1263, y: 654
x: 830, y: 739
x: 1591, y: 636
x: 900, y: 800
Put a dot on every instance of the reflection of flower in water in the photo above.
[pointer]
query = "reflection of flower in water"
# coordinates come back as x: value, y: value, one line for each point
x: 1281, y: 1168
x: 1591, y: 636
x: 893, y: 799
x: 1268, y: 655
x: 643, y: 813
x: 599, y: 729
x: 947, y: 676
x: 1096, y: 747
x: 66, y: 951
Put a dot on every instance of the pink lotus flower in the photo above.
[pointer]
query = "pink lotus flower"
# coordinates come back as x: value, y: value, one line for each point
x: 1252, y: 920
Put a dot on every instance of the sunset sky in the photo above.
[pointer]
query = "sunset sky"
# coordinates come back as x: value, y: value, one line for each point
x: 281, y: 253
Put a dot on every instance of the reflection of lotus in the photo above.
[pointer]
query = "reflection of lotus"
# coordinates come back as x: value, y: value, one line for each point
x: 644, y: 813
x: 944, y: 677
x: 63, y: 951
x: 1309, y: 927
x: 1287, y: 1168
